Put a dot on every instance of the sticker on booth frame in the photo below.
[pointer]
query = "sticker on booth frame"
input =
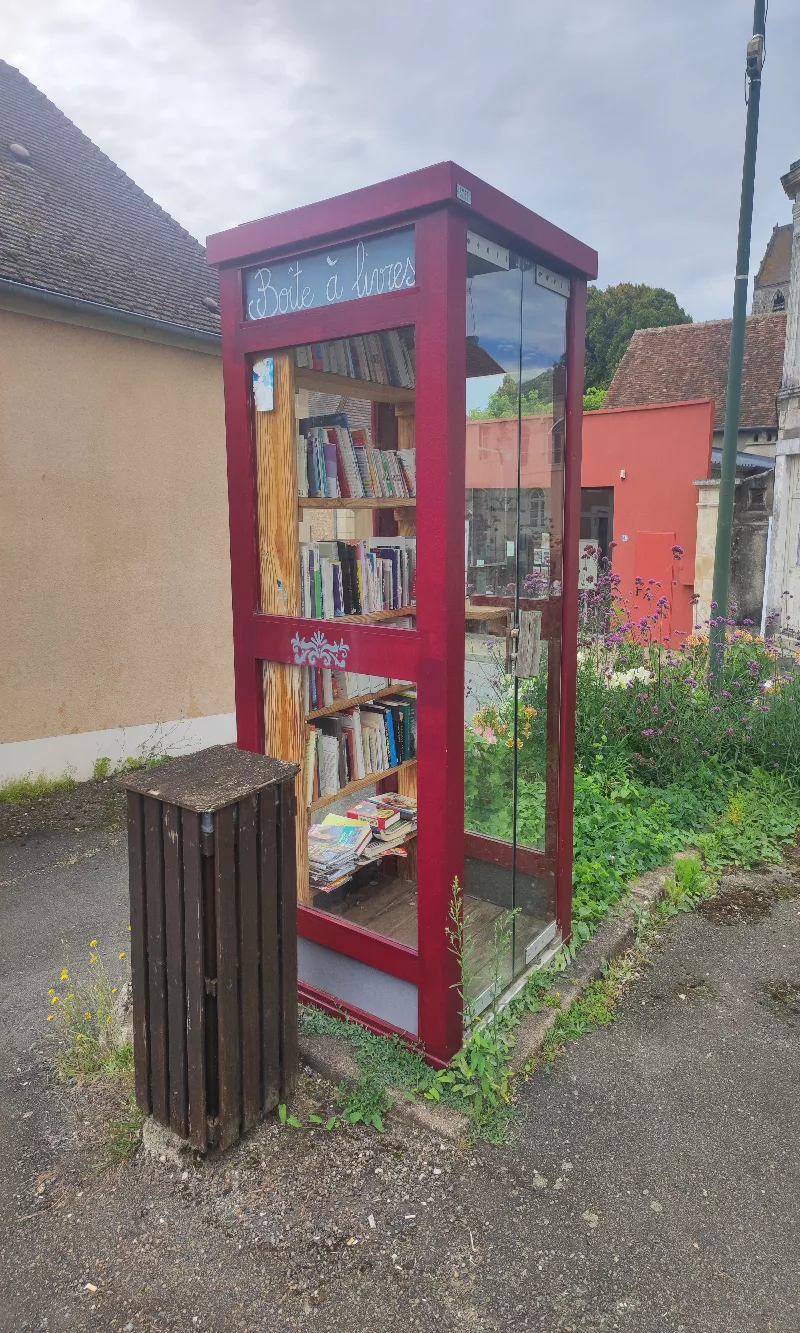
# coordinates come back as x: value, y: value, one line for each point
x: 264, y: 383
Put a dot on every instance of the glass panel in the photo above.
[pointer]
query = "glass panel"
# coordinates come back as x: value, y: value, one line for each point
x: 354, y: 441
x: 538, y: 583
x: 516, y: 358
x: 494, y: 314
x: 362, y: 826
x: 339, y: 416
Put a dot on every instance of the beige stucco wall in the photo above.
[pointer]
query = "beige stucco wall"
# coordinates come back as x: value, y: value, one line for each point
x: 114, y: 565
x: 705, y: 550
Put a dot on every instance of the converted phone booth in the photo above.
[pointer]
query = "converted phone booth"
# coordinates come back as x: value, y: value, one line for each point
x: 404, y: 594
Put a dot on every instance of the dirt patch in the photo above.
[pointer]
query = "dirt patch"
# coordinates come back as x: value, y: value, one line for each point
x: 783, y: 998
x: 788, y: 889
x: 696, y: 989
x: 736, y: 905
x: 90, y: 805
x: 791, y: 856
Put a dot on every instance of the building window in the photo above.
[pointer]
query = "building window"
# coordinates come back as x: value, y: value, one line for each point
x: 757, y: 498
x: 779, y: 301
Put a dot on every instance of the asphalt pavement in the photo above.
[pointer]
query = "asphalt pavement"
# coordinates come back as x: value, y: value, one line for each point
x: 651, y: 1182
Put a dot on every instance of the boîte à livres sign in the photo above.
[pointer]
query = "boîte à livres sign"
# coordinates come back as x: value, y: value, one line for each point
x: 371, y: 267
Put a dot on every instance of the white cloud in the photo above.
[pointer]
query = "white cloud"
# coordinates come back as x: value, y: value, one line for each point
x: 622, y: 122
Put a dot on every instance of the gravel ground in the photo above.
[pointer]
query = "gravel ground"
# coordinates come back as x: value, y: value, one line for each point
x: 90, y: 805
x: 652, y: 1181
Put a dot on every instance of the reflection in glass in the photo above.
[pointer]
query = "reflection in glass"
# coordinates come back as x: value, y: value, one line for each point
x: 516, y: 374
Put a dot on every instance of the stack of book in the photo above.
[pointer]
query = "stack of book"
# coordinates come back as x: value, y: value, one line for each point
x: 392, y: 824
x: 334, y: 461
x: 353, y: 578
x: 334, y: 848
x: 357, y: 742
x: 322, y: 687
x: 342, y: 844
x: 380, y: 358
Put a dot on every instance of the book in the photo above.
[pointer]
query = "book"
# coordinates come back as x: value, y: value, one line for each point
x: 355, y: 743
x: 354, y: 578
x: 382, y: 358
x: 329, y: 468
x: 376, y: 815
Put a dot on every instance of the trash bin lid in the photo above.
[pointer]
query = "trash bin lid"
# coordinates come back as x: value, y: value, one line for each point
x: 209, y: 779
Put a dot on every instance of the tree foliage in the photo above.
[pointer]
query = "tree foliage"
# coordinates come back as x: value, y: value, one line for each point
x: 503, y: 402
x: 613, y: 315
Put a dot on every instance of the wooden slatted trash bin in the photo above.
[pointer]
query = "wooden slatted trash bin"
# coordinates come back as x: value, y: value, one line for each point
x: 213, y: 892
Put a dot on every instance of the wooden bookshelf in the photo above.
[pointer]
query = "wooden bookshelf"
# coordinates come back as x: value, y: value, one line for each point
x: 373, y: 617
x: 360, y: 785
x: 369, y: 502
x: 319, y: 381
x: 341, y: 705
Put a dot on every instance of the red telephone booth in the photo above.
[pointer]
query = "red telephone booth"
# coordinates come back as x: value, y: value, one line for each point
x: 404, y: 593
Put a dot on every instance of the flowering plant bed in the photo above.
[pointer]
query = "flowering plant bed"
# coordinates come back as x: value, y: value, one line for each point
x: 661, y: 756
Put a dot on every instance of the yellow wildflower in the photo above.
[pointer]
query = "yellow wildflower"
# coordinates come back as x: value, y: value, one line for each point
x: 92, y: 944
x: 64, y: 975
x: 122, y: 955
x: 93, y: 960
x: 113, y: 990
x: 87, y: 1014
x: 54, y: 1000
x: 51, y: 991
x: 50, y: 1017
x: 108, y: 1020
x: 128, y: 927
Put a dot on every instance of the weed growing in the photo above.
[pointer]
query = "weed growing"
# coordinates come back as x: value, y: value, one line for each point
x: 104, y: 768
x: 124, y: 1133
x: 30, y: 788
x: 91, y: 1047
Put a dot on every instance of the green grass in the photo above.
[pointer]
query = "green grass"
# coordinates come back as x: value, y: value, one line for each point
x: 124, y: 1134
x: 394, y: 1064
x: 30, y: 788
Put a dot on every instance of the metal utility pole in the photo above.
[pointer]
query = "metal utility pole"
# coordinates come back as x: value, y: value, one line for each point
x: 722, y: 557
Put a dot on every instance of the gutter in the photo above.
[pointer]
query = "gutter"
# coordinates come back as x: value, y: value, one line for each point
x: 75, y: 303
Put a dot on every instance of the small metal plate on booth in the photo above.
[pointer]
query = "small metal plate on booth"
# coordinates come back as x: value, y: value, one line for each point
x: 554, y: 282
x: 491, y: 254
x: 529, y: 645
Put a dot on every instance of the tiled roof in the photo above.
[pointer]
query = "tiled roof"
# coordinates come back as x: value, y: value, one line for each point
x: 777, y: 258
x: 72, y: 222
x: 359, y: 412
x: 686, y: 361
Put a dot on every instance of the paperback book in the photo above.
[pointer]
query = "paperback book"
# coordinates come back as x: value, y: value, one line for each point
x: 380, y: 358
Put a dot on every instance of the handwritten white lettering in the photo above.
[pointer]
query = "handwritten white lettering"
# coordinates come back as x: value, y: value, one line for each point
x: 334, y: 289
x: 348, y: 272
x: 388, y: 278
x: 270, y: 300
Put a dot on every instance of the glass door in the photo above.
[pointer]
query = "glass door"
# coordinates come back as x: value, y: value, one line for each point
x: 516, y: 345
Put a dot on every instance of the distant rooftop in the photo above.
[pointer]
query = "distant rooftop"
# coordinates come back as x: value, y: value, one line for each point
x: 774, y: 268
x: 73, y: 223
x: 687, y: 361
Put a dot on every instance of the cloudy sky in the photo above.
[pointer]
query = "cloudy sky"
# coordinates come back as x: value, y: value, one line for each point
x: 620, y: 120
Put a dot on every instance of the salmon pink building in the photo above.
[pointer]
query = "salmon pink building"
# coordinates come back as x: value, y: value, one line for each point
x: 638, y: 498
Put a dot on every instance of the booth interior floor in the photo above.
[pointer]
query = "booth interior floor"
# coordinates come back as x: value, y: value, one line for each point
x: 389, y: 908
